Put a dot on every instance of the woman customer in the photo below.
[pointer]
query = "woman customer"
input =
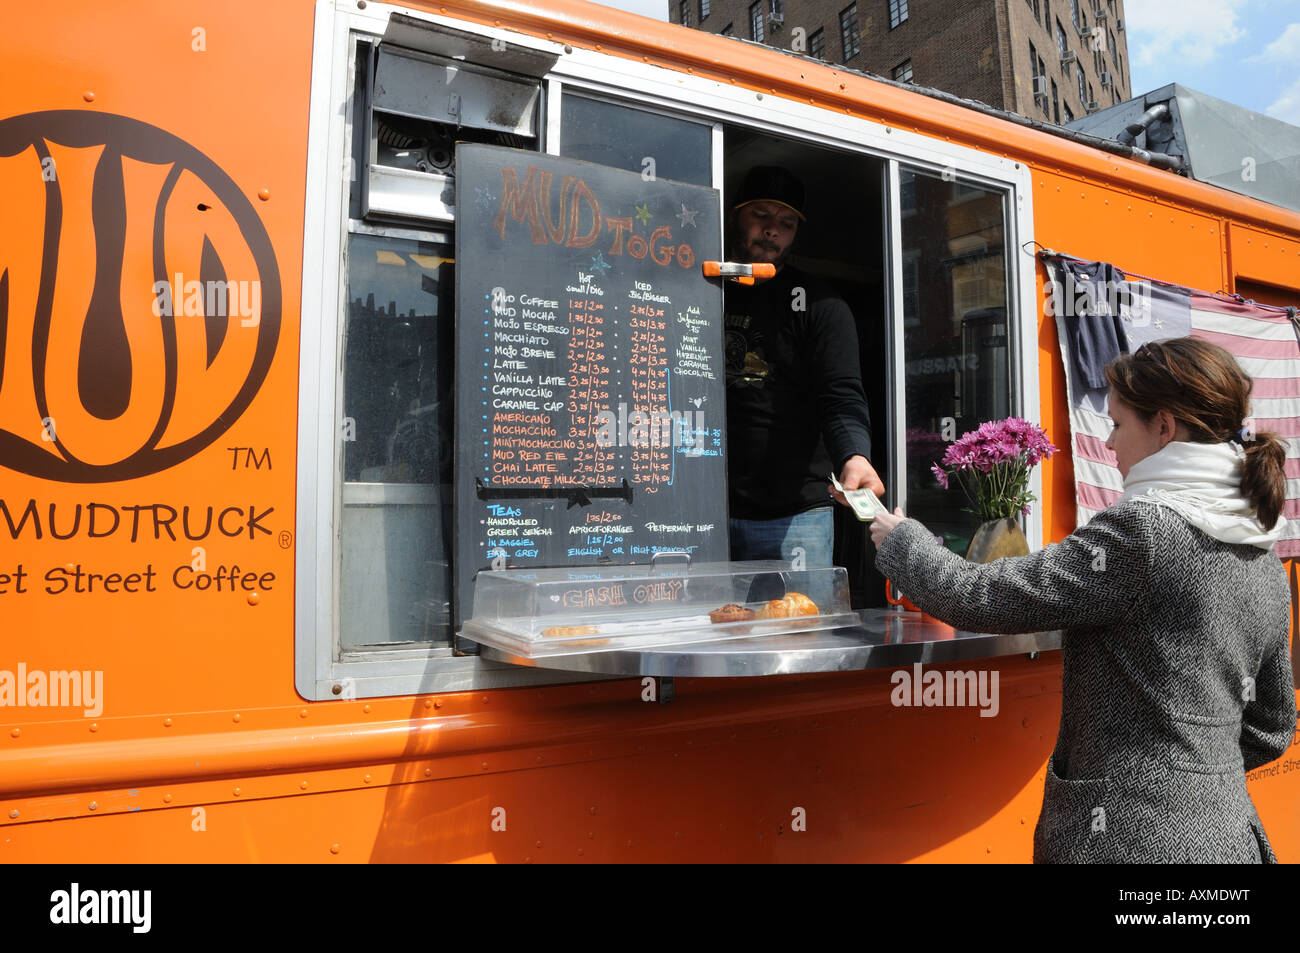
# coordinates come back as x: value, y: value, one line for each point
x: 1176, y: 674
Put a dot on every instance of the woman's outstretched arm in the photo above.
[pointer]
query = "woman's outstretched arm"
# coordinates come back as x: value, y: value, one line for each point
x: 1094, y: 576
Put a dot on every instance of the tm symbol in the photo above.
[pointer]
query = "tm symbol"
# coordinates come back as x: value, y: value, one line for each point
x: 251, y: 457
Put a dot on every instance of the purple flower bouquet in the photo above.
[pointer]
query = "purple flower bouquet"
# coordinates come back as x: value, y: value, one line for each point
x: 992, y: 464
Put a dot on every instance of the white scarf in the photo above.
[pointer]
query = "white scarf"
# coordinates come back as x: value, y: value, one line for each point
x: 1201, y: 482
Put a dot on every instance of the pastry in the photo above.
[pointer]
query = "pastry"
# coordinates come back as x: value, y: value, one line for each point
x: 794, y: 604
x: 567, y: 631
x: 731, y: 613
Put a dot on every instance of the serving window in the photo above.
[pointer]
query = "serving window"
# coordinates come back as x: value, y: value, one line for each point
x: 923, y: 258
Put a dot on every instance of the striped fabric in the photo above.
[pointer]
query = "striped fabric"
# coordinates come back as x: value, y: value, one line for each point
x: 1263, y: 341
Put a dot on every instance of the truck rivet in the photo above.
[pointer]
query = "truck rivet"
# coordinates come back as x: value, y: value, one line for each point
x: 366, y: 779
x: 366, y: 709
x: 265, y: 196
x: 437, y: 703
x: 236, y: 719
x: 167, y: 722
x: 253, y: 597
x: 303, y: 785
x: 94, y: 726
x: 484, y: 765
x: 428, y: 772
x: 302, y: 713
x: 16, y: 732
x: 14, y: 812
x: 427, y: 703
x: 334, y: 848
x: 236, y: 792
x: 88, y: 96
x: 93, y: 805
x: 337, y: 689
x: 167, y: 798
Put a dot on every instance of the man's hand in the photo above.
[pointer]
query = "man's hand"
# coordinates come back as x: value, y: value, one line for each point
x: 884, y: 524
x: 858, y: 474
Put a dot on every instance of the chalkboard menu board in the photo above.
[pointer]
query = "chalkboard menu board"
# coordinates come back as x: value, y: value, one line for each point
x: 589, y: 360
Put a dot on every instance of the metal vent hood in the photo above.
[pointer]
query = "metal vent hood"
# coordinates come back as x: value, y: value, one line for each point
x: 1216, y: 142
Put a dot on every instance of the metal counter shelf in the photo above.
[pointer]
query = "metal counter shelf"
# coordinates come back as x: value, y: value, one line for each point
x: 887, y: 638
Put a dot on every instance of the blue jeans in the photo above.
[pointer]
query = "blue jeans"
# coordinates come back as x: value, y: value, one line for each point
x: 810, y: 534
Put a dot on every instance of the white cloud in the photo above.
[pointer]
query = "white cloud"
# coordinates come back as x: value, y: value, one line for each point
x: 1285, y: 49
x: 1191, y: 32
x: 1287, y: 107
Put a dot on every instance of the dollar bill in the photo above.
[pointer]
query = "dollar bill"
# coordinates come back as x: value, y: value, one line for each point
x: 865, y: 504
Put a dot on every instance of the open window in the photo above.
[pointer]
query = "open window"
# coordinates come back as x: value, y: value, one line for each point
x: 920, y: 254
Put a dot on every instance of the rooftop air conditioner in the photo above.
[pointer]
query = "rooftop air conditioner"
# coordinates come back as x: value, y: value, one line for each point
x: 1040, y: 86
x: 1068, y: 57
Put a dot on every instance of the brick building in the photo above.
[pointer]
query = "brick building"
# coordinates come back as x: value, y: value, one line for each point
x: 1053, y: 60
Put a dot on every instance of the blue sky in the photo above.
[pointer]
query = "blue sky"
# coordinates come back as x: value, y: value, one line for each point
x: 1244, y: 51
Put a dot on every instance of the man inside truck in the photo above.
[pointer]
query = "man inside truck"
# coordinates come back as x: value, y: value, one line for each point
x: 796, y: 410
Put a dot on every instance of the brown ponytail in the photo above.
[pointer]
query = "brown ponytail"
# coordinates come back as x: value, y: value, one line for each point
x: 1204, y: 387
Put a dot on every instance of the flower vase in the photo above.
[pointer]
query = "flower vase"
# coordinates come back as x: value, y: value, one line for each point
x: 995, y: 539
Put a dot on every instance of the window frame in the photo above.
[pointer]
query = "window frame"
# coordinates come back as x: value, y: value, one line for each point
x: 898, y: 13
x: 820, y: 32
x: 845, y: 34
x: 321, y: 671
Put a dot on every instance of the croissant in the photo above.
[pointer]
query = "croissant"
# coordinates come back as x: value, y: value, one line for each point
x: 794, y: 604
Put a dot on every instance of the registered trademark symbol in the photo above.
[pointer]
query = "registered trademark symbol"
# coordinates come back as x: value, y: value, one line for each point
x: 286, y: 539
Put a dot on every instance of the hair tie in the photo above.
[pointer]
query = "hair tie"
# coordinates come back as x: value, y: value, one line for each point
x: 1241, y: 436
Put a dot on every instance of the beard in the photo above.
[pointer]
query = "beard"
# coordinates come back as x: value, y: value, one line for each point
x: 761, y: 251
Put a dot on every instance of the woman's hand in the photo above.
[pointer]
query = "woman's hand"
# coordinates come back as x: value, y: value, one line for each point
x: 884, y: 524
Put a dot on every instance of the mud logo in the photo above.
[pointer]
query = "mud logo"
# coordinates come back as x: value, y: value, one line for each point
x: 140, y: 300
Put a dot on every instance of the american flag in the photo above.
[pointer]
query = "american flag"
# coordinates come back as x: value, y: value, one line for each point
x: 1263, y: 339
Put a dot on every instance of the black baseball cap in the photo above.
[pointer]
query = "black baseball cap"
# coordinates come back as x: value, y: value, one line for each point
x: 772, y: 183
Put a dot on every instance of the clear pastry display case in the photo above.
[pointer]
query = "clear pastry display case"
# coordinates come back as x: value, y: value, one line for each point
x: 571, y: 611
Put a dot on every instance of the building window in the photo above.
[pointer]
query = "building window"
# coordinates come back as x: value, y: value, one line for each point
x: 1074, y: 11
x: 1033, y: 5
x: 727, y: 30
x: 1056, y: 105
x: 849, y: 37
x: 1062, y: 43
x: 897, y: 12
x: 1083, y: 89
x: 817, y: 45
x: 1091, y: 99
x: 777, y: 9
x: 1047, y: 15
x: 1114, y: 50
x: 756, y: 21
x: 684, y: 12
x: 1069, y: 115
x: 704, y: 10
x: 903, y: 72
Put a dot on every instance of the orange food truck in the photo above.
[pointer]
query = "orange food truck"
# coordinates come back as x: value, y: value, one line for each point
x: 268, y: 590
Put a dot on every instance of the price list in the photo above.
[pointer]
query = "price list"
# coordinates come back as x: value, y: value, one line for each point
x: 590, y: 402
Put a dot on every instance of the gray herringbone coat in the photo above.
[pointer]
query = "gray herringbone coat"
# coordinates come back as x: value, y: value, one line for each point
x: 1164, y: 629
